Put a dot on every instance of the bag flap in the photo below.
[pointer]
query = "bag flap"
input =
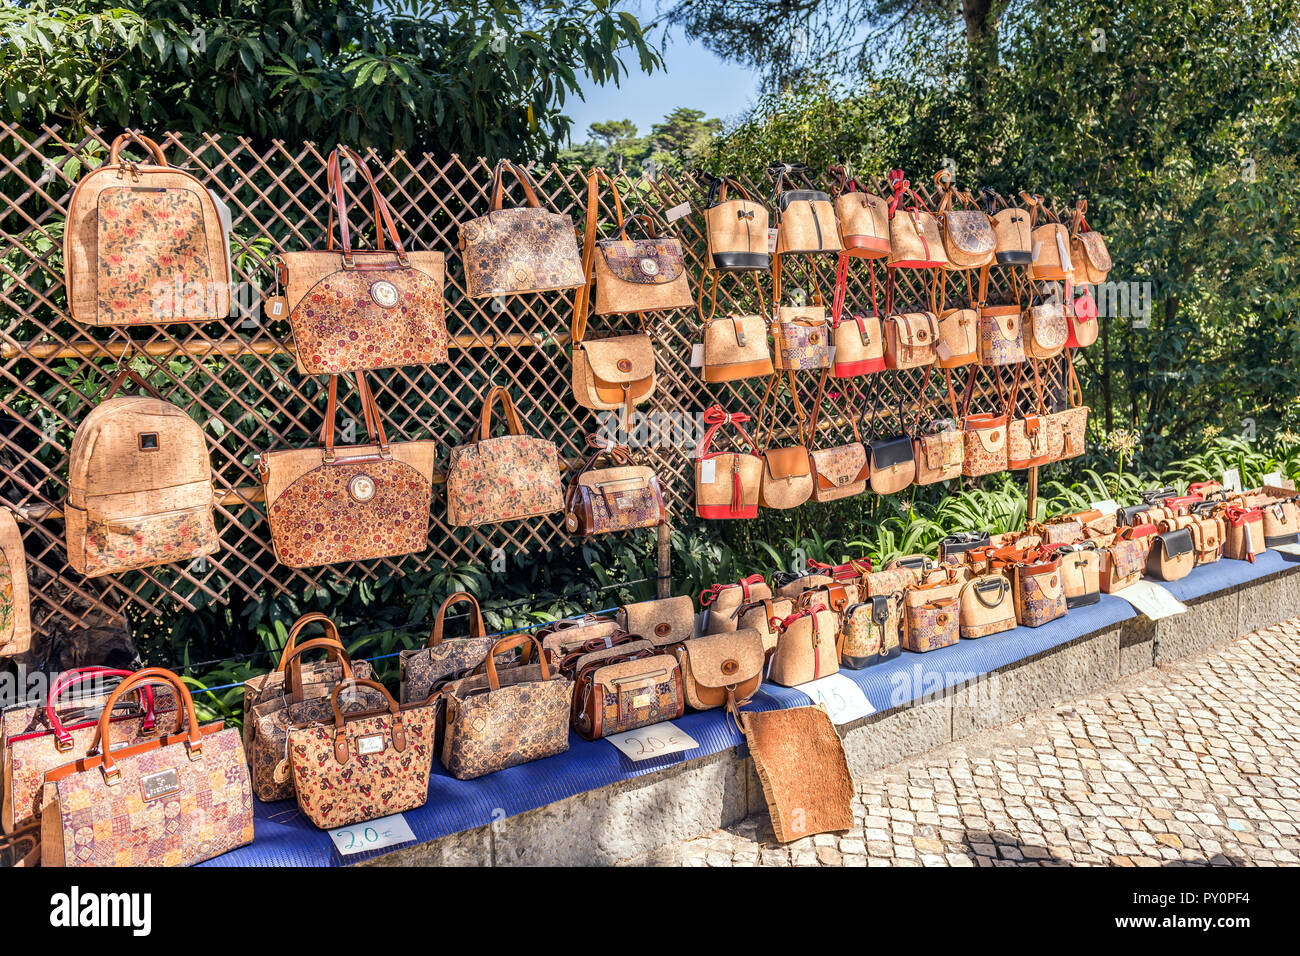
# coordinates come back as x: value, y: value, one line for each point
x: 619, y: 479
x: 992, y: 434
x: 721, y: 660
x: 841, y: 465
x: 787, y: 462
x: 1176, y: 543
x: 622, y: 358
x: 888, y: 452
x: 657, y: 620
x: 970, y: 231
x: 1128, y: 557
x: 643, y: 261
x: 942, y: 450
x: 1094, y: 247
x: 914, y: 329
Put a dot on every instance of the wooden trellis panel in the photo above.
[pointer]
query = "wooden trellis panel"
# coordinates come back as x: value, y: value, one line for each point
x: 237, y: 377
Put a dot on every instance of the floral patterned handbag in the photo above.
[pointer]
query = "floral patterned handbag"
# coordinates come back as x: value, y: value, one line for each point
x: 177, y: 799
x: 506, y: 716
x: 515, y: 251
x: 1087, y: 249
x: 502, y: 479
x: 984, y: 436
x: 617, y: 498
x: 372, y: 501
x: 1040, y: 592
x: 15, y: 595
x: 931, y: 625
x: 871, y: 631
x: 1001, y: 331
x: 440, y: 658
x: 355, y: 309
x: 362, y: 765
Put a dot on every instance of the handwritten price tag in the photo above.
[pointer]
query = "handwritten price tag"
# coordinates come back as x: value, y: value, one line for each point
x: 657, y: 740
x: 1152, y: 600
x: 843, y: 699
x: 372, y: 835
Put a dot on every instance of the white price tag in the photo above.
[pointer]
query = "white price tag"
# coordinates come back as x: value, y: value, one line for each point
x: 657, y: 740
x: 697, y: 355
x: 1274, y: 479
x: 843, y: 699
x: 945, y: 353
x: 1232, y: 480
x: 1107, y: 507
x: 677, y: 212
x: 1287, y: 548
x: 831, y: 351
x: 771, y: 241
x: 372, y: 835
x: 1152, y: 600
x: 708, y: 471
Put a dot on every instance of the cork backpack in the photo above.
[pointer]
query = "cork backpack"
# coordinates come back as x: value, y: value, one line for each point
x: 139, y: 486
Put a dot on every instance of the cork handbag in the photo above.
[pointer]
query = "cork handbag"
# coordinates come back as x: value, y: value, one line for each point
x: 1035, y: 438
x: 938, y: 447
x: 1073, y: 418
x: 736, y: 348
x: 871, y: 631
x: 984, y: 437
x: 863, y: 218
x: 840, y: 471
x: 292, y: 676
x: 506, y: 716
x: 139, y: 485
x: 914, y: 238
x: 177, y: 799
x: 987, y: 606
x: 805, y: 218
x: 1001, y: 332
x: 727, y: 482
x: 1245, y: 533
x: 931, y: 624
x: 1046, y: 328
x: 958, y: 342
x: 1040, y: 591
x: 968, y: 237
x: 758, y: 616
x: 564, y: 637
x: 911, y: 338
x: 1172, y: 555
x: 365, y: 764
x: 505, y: 478
x: 630, y: 275
x: 621, y: 496
x: 806, y: 646
x: 39, y: 736
x: 858, y: 339
x: 787, y: 478
x: 802, y: 339
x: 1088, y: 249
x: 1080, y: 571
x: 353, y: 309
x: 145, y: 243
x: 891, y: 460
x: 1051, y: 241
x: 1124, y: 559
x: 622, y: 688
x: 668, y: 623
x: 723, y: 670
x: 351, y: 503
x: 615, y: 373
x: 519, y: 250
x: 1084, y: 327
x: 1012, y: 232
x: 423, y: 669
x: 1207, y: 530
x: 15, y: 597
x: 1281, y: 518
x: 736, y: 228
x: 272, y: 721
x: 722, y: 602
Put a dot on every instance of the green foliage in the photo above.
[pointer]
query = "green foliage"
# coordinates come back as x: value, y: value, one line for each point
x: 479, y: 77
x: 684, y: 136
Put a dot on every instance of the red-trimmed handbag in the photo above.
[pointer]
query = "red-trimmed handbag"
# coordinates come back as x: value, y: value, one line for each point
x: 914, y: 238
x: 727, y: 482
x: 863, y: 218
x: 858, y: 339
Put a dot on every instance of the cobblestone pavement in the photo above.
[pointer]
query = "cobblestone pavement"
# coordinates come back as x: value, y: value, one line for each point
x: 1194, y: 763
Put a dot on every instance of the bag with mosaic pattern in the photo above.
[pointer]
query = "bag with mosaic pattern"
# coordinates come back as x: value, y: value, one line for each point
x: 1001, y: 326
x: 871, y: 631
x: 422, y: 669
x: 179, y: 798
x: 968, y: 237
x: 620, y: 497
x: 355, y: 309
x: 15, y: 595
x: 1124, y: 559
x: 145, y: 243
x: 839, y: 471
x: 863, y: 217
x: 520, y: 250
x: 631, y: 276
x: 503, y: 478
x: 351, y: 504
x: 362, y: 764
x: 727, y: 482
x: 506, y: 716
x: 39, y: 736
x: 1039, y: 590
x: 621, y: 688
x: 800, y: 333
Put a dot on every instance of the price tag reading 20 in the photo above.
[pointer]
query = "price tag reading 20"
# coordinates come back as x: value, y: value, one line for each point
x: 657, y: 740
x: 372, y: 834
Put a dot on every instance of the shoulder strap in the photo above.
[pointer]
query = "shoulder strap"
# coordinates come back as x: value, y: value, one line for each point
x: 582, y: 297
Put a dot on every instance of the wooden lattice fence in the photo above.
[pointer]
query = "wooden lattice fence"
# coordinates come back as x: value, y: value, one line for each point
x: 237, y: 378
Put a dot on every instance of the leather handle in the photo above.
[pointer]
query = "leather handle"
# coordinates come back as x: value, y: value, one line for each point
x: 311, y: 617
x: 582, y: 298
x: 140, y: 139
x: 369, y: 410
x: 476, y: 625
x: 498, y: 393
x: 355, y: 682
x: 184, y: 716
x: 521, y: 176
x: 397, y: 732
x: 507, y: 644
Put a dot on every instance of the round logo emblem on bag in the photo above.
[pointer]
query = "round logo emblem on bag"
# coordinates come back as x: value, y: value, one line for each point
x: 729, y: 667
x: 661, y: 630
x: 650, y: 267
x: 624, y: 365
x: 361, y: 488
x: 384, y: 294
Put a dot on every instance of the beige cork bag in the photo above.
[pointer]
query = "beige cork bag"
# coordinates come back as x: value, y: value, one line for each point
x: 15, y: 598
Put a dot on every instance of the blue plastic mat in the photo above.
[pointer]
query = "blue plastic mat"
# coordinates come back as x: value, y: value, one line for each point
x: 284, y: 837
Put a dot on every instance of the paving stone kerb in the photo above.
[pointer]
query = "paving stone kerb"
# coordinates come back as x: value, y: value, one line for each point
x: 638, y: 818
